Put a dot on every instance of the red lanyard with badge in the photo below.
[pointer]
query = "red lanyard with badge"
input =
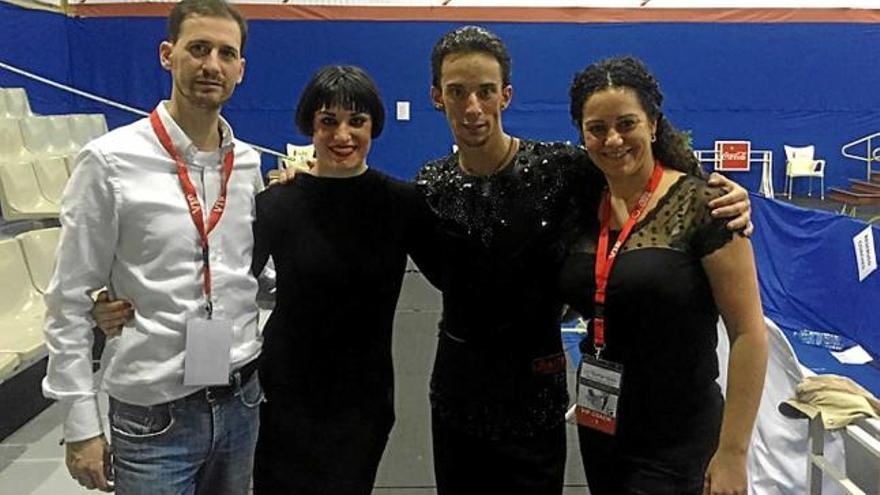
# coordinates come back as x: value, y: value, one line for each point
x: 599, y: 380
x: 209, y: 339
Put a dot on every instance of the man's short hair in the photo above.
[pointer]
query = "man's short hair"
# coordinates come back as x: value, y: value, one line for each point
x: 345, y: 86
x: 469, y: 39
x: 207, y: 8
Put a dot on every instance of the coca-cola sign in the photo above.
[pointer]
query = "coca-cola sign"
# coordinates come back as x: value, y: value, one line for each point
x: 733, y: 155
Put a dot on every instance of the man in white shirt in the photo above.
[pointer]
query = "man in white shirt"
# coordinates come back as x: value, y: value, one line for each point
x: 160, y: 211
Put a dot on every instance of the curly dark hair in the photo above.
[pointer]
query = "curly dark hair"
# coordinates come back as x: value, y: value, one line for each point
x: 671, y: 146
x: 468, y: 39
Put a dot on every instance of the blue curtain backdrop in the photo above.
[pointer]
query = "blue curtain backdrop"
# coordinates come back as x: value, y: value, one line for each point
x: 774, y: 84
x: 809, y: 274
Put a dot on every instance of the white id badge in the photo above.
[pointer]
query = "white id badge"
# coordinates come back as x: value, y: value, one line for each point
x: 598, y: 392
x: 208, y: 343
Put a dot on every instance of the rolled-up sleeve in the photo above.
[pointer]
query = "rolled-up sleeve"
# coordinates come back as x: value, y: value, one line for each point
x: 89, y: 228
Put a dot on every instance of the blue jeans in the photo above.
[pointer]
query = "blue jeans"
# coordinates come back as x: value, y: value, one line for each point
x: 199, y: 444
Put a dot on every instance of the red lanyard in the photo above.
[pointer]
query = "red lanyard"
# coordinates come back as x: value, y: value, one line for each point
x: 192, y: 199
x: 605, y: 260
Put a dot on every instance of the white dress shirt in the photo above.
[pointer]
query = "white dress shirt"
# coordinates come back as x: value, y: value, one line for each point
x: 126, y: 225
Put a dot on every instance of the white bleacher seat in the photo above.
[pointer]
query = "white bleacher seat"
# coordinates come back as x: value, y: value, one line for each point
x: 15, y: 103
x: 20, y: 196
x: 11, y: 145
x: 21, y: 307
x: 52, y: 175
x: 47, y: 135
x: 99, y: 123
x: 9, y: 362
x: 85, y: 127
x: 39, y: 248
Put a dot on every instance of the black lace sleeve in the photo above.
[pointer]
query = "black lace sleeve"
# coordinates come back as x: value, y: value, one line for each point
x: 709, y: 233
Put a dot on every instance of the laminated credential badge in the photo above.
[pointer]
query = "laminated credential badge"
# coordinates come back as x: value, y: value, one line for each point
x: 598, y: 393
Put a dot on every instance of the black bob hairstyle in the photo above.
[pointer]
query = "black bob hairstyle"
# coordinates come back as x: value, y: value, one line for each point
x: 345, y: 86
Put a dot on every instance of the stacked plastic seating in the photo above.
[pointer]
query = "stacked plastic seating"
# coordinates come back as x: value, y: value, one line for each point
x: 9, y: 364
x: 83, y: 128
x: 37, y: 155
x: 20, y: 194
x: 49, y: 140
x: 14, y: 103
x: 48, y: 135
x: 39, y: 248
x: 26, y: 264
x: 52, y: 175
x: 12, y: 147
x: 86, y: 126
x: 21, y: 307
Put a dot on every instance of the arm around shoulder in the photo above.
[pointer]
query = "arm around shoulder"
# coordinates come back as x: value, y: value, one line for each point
x: 265, y: 230
x: 422, y: 242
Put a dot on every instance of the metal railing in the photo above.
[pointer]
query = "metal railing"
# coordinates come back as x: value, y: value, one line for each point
x: 863, y: 434
x: 872, y: 151
x: 764, y: 157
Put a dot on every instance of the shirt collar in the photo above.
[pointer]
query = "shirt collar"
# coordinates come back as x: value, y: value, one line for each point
x: 183, y: 143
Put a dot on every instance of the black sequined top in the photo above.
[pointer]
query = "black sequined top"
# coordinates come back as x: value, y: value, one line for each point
x: 499, y: 369
x: 660, y: 320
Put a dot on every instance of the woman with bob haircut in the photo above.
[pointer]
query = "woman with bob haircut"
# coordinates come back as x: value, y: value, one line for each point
x: 339, y: 237
x: 654, y: 269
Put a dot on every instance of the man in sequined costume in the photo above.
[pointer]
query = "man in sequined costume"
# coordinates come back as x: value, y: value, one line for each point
x: 498, y: 389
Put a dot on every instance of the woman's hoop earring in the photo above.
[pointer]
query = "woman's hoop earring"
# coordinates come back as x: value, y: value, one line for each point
x: 653, y: 138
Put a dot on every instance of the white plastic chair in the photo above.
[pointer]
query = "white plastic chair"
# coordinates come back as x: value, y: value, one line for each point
x: 52, y: 175
x: 21, y: 307
x: 9, y: 362
x: 11, y: 144
x: 799, y: 162
x: 48, y: 135
x: 39, y: 247
x: 20, y: 196
x: 15, y: 103
x: 86, y: 126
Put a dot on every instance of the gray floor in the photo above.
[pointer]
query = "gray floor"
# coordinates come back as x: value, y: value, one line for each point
x: 32, y: 461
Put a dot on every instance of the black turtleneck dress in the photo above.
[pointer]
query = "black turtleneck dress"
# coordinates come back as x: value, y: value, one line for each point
x: 339, y: 246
